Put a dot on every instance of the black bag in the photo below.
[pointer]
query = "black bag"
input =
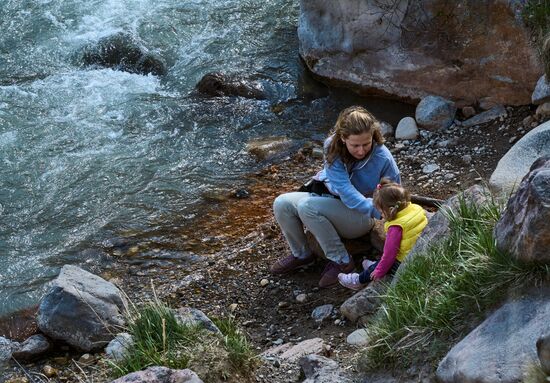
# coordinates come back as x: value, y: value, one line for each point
x: 315, y: 186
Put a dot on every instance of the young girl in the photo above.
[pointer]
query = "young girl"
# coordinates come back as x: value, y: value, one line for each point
x: 404, y: 223
x: 341, y: 206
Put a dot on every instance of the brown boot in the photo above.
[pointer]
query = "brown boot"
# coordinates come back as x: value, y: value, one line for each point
x: 331, y: 271
x: 290, y: 263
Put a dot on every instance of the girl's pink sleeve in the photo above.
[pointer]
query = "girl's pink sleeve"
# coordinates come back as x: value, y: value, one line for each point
x: 391, y: 248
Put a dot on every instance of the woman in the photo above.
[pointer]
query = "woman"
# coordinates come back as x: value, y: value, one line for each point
x: 341, y: 203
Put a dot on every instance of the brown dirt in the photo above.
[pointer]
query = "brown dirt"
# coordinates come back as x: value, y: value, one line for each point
x: 237, y: 240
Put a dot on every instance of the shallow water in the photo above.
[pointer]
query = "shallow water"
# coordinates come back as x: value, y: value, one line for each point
x: 89, y: 153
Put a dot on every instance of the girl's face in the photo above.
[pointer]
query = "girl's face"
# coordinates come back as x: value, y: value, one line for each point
x: 358, y: 145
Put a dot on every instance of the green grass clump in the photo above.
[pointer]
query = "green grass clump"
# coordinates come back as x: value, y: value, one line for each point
x: 536, y: 15
x: 161, y: 340
x: 442, y: 293
x: 241, y: 356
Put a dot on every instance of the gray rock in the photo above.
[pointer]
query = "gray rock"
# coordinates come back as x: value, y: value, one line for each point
x: 268, y: 147
x: 192, y: 317
x: 157, y: 374
x: 406, y: 129
x: 543, y: 110
x: 468, y: 111
x: 386, y: 129
x: 365, y: 302
x: 319, y: 369
x: 6, y: 350
x: 123, y: 52
x: 81, y: 309
x: 118, y: 348
x: 515, y: 164
x: 321, y: 313
x: 543, y: 352
x: 292, y: 353
x: 435, y: 113
x: 429, y: 168
x: 358, y: 338
x: 541, y: 94
x: 482, y: 118
x: 32, y: 347
x: 499, y: 348
x: 523, y: 230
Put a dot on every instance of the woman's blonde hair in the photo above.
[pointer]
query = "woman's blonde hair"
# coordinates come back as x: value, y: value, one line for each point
x: 390, y: 198
x: 354, y: 120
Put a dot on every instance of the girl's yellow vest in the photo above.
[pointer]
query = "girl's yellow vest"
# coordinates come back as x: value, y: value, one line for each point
x: 412, y: 220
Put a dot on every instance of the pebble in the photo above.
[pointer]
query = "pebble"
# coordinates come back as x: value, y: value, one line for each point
x: 233, y: 307
x: 512, y: 139
x: 429, y: 168
x: 264, y: 282
x: 49, y: 371
x: 358, y: 337
x: 278, y: 342
x: 322, y: 312
x: 301, y: 298
x: 86, y: 359
x: 283, y: 304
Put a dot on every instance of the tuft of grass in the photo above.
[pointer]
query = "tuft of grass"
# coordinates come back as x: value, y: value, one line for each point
x: 441, y: 294
x: 241, y: 356
x: 161, y: 340
x: 536, y: 15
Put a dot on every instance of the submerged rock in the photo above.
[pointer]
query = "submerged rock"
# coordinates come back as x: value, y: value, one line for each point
x: 122, y: 52
x: 218, y: 84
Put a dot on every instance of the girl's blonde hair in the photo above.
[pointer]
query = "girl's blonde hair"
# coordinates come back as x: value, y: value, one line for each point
x: 390, y: 198
x: 354, y: 120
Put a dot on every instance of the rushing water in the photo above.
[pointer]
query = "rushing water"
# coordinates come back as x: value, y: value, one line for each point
x: 88, y: 152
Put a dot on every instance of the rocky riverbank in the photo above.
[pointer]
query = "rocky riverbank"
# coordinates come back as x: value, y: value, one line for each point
x: 225, y: 271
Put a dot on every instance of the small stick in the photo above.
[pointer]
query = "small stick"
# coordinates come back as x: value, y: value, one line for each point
x: 427, y: 201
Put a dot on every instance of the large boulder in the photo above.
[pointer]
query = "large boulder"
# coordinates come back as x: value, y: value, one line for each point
x: 523, y: 230
x: 81, y: 309
x: 435, y: 113
x: 123, y: 52
x: 158, y: 374
x: 466, y: 51
x: 501, y: 347
x: 218, y: 84
x: 516, y: 162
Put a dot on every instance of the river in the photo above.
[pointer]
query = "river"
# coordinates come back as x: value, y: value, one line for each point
x: 89, y: 153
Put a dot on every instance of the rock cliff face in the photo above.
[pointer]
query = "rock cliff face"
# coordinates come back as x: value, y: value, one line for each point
x: 469, y: 52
